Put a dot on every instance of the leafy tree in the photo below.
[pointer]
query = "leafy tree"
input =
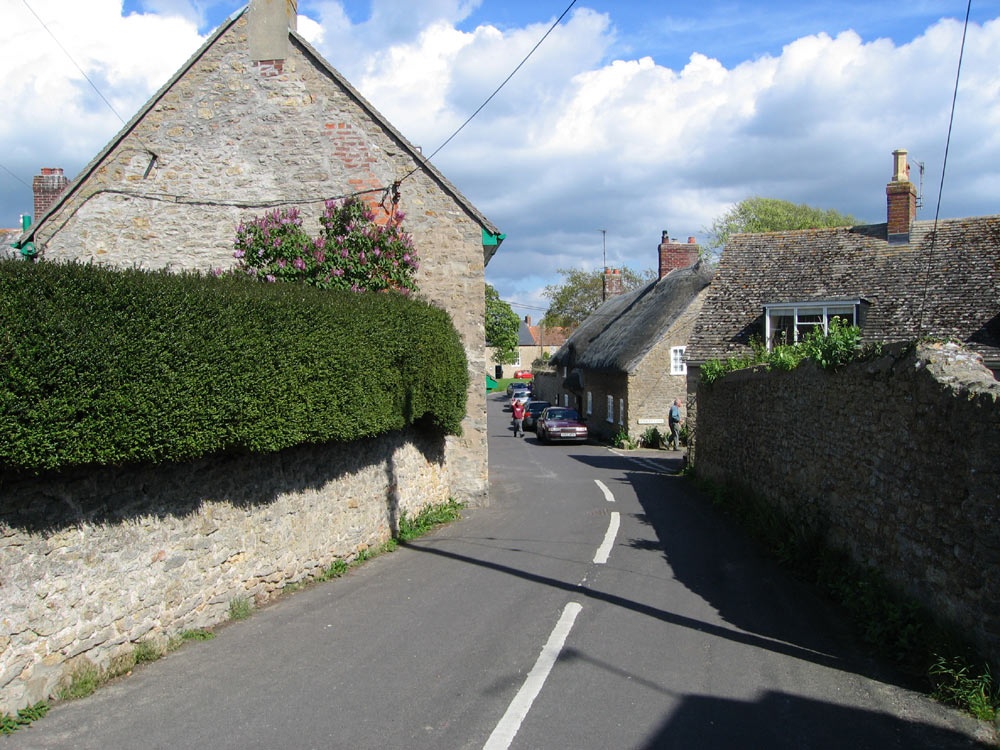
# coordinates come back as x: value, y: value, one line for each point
x: 502, y: 325
x: 756, y: 214
x: 582, y: 292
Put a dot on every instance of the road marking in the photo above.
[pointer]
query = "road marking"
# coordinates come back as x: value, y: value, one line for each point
x: 518, y: 709
x: 604, y: 551
x: 604, y: 488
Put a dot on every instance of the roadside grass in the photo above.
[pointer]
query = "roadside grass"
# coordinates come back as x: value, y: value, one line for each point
x: 891, y: 625
x: 87, y: 677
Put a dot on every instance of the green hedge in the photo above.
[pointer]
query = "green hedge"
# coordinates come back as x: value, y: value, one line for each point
x: 99, y: 366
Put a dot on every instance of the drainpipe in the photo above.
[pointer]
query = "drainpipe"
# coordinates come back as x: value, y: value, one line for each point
x: 27, y: 250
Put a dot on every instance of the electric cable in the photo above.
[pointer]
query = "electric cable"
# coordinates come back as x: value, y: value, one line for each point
x: 83, y: 73
x: 495, y: 92
x: 944, y: 168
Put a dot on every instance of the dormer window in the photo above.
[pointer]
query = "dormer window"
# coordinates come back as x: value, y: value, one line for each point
x: 790, y: 322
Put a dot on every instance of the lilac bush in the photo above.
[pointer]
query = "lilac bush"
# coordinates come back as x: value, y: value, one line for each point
x: 352, y: 252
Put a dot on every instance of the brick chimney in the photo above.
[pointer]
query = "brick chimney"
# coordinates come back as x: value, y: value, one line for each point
x: 674, y: 254
x: 527, y: 320
x: 613, y: 285
x: 47, y: 186
x: 268, y: 24
x: 901, y: 200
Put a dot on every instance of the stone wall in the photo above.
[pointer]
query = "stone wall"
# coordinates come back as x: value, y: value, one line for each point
x: 233, y: 141
x: 92, y: 562
x: 892, y: 460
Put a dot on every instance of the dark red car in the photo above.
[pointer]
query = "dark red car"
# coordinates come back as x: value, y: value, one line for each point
x: 560, y: 423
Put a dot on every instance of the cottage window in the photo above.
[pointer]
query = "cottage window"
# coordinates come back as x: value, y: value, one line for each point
x: 611, y: 409
x: 789, y: 323
x: 621, y: 411
x: 590, y: 403
x: 677, y: 364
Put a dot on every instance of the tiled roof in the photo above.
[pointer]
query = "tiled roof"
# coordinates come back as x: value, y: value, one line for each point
x: 943, y: 284
x: 622, y: 330
x: 546, y: 336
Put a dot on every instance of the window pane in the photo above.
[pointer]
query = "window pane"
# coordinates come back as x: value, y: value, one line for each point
x: 782, y: 330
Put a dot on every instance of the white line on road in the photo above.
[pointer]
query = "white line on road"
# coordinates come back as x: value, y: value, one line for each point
x: 604, y: 551
x: 604, y: 488
x: 504, y: 733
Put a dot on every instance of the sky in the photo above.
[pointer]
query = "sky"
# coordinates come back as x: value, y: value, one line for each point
x: 629, y: 119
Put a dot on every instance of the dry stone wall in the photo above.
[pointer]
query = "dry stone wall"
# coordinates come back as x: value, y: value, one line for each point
x: 892, y: 460
x: 93, y: 562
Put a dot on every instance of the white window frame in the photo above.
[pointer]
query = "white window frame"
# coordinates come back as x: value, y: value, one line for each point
x: 800, y: 317
x: 590, y: 403
x: 677, y: 364
x: 611, y: 409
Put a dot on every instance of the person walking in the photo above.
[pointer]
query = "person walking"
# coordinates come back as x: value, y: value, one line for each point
x: 518, y: 410
x: 675, y: 426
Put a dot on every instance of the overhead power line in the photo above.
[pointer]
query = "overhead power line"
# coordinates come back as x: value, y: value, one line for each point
x: 498, y: 88
x: 65, y: 52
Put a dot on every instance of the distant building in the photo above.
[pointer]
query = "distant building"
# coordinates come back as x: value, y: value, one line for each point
x: 625, y: 364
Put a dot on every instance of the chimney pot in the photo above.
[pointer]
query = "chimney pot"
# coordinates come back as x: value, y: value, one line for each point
x: 901, y: 200
x: 674, y: 255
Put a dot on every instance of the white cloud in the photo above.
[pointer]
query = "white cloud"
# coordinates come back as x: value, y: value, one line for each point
x: 575, y: 142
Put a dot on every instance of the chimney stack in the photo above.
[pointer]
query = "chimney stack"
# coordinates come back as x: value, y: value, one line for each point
x: 47, y: 186
x: 674, y: 255
x: 901, y: 200
x: 527, y: 320
x: 613, y: 284
x: 268, y: 24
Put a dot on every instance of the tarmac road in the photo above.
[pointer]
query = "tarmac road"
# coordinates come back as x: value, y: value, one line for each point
x: 599, y: 602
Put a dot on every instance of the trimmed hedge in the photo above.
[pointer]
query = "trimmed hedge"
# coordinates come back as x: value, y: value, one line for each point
x: 101, y: 366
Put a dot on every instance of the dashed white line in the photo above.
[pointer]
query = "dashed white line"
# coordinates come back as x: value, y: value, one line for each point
x: 504, y: 732
x: 604, y: 551
x: 604, y: 488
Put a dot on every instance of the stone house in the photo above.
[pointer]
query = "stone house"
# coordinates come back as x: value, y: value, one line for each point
x: 900, y: 280
x: 625, y: 364
x: 256, y: 120
x: 534, y: 342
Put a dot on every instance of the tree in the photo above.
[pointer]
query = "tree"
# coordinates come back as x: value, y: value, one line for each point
x: 756, y: 214
x: 502, y: 325
x: 582, y: 292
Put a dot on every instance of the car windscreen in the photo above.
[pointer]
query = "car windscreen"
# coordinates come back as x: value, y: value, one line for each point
x: 562, y: 414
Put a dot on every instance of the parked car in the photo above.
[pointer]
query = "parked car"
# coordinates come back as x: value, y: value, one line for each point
x: 523, y: 375
x: 518, y: 384
x: 532, y: 412
x: 560, y: 423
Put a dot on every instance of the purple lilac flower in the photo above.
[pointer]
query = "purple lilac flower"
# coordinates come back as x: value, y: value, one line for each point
x: 270, y: 278
x: 299, y: 264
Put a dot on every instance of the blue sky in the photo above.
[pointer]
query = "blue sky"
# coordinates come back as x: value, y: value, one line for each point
x: 633, y: 117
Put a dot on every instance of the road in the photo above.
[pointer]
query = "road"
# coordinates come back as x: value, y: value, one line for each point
x: 599, y: 602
